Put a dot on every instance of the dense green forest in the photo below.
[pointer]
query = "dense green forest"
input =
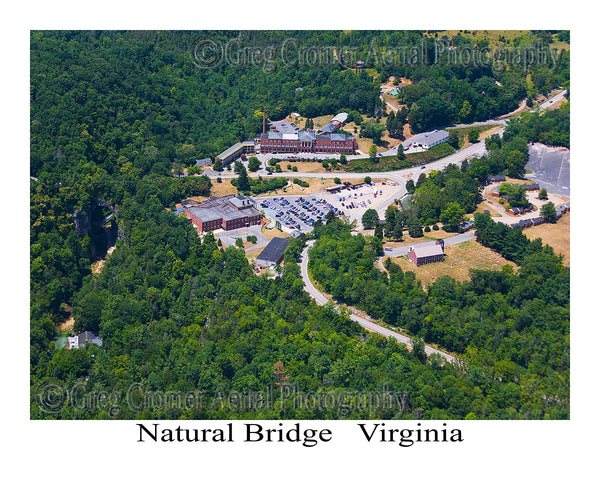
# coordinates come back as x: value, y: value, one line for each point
x: 510, y: 327
x: 550, y: 128
x: 113, y: 115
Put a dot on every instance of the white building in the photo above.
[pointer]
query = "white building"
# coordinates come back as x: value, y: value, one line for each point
x: 426, y: 140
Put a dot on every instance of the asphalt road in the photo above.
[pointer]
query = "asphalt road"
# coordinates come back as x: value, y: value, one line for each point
x: 551, y: 101
x: 456, y: 239
x: 363, y: 322
x: 399, y: 176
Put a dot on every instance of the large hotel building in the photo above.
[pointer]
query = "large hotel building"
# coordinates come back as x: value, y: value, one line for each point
x: 292, y: 140
x: 309, y: 141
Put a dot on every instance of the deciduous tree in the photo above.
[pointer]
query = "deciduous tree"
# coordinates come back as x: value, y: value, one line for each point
x: 370, y: 219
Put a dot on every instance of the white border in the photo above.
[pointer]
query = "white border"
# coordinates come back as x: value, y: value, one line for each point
x: 490, y: 450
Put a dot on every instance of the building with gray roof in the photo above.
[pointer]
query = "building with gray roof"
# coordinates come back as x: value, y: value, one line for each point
x: 426, y: 140
x: 273, y: 253
x: 336, y: 122
x: 235, y: 151
x: 80, y: 340
x: 227, y: 212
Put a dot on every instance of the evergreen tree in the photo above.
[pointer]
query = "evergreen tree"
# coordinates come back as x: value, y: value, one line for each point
x: 453, y: 139
x: 397, y: 233
x: 415, y: 229
x: 243, y: 183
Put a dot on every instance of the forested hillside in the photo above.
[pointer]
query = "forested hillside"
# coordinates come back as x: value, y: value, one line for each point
x: 511, y: 327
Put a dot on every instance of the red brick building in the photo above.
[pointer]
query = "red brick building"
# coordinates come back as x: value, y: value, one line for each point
x: 307, y: 141
x: 227, y: 212
x: 428, y: 254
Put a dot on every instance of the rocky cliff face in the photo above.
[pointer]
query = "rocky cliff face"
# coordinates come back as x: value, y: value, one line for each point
x: 99, y: 222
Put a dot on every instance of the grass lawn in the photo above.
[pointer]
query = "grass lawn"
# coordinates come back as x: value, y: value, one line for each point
x: 557, y: 235
x: 271, y: 233
x: 408, y: 240
x: 459, y: 260
x: 303, y: 167
x: 224, y: 188
x: 392, y: 100
x: 434, y: 153
x: 483, y: 206
x: 385, y: 164
x: 484, y: 132
x: 314, y: 185
x: 491, y: 35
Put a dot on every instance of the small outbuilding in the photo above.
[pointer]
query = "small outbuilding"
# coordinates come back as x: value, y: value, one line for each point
x: 427, y: 254
x: 273, y: 253
x: 496, y: 178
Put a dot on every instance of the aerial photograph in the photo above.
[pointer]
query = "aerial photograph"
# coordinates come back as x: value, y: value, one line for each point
x: 302, y: 225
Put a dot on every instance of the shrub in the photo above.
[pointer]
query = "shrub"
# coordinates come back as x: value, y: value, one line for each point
x: 302, y: 183
x: 473, y: 136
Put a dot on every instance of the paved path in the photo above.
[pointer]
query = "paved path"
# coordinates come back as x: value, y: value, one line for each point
x: 363, y: 322
x: 456, y: 239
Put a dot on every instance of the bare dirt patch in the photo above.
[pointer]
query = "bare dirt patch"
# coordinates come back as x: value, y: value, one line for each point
x: 99, y: 265
x: 68, y: 324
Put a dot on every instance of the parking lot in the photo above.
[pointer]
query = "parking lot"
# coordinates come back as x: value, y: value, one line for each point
x: 551, y: 168
x: 296, y: 212
x: 355, y: 200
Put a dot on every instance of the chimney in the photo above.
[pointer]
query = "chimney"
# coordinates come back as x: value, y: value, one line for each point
x: 263, y: 121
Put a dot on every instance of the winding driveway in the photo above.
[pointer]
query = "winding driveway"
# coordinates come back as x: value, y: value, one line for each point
x: 361, y: 320
x: 456, y: 239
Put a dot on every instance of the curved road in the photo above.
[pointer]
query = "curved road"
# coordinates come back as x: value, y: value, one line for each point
x: 322, y: 300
